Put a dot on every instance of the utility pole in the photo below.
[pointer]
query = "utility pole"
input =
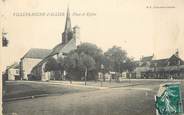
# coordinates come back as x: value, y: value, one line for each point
x: 86, y: 73
x: 102, y: 72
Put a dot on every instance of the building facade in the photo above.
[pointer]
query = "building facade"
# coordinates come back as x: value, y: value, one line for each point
x: 30, y: 59
x: 168, y: 68
x: 70, y: 41
x: 13, y: 72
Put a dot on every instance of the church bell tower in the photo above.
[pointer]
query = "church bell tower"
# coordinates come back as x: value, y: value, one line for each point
x: 67, y: 34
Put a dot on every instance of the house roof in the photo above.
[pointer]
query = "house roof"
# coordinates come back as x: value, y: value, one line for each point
x: 14, y: 66
x: 37, y: 53
x: 160, y: 62
x: 148, y: 58
x: 172, y: 61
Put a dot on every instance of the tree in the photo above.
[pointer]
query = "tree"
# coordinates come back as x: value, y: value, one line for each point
x: 90, y: 49
x: 85, y: 59
x: 86, y: 64
x: 115, y: 57
x: 51, y: 65
x: 61, y: 65
x: 76, y: 64
x: 93, y: 51
x: 71, y: 63
x: 129, y: 65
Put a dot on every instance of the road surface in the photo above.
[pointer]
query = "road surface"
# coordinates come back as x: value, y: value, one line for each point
x: 125, y: 100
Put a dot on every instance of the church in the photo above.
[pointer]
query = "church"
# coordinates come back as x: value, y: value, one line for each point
x: 70, y: 41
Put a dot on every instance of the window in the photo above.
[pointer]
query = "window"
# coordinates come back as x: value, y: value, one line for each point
x: 17, y: 71
x: 168, y: 63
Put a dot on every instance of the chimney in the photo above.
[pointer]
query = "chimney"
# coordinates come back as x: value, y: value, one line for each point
x: 177, y: 53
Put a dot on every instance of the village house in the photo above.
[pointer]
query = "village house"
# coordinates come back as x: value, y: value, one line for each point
x: 168, y: 68
x: 13, y: 72
x: 30, y: 59
x: 70, y: 41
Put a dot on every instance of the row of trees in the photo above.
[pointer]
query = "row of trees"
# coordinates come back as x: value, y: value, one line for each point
x: 87, y: 60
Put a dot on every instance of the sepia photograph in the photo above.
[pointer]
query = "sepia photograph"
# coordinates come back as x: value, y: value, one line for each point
x: 92, y: 57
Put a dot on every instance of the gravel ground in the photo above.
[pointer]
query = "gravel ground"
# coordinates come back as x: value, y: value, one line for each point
x: 132, y: 100
x: 16, y: 89
x: 103, y: 102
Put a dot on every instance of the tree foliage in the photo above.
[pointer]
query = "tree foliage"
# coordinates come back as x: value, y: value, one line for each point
x: 89, y: 57
x: 86, y: 62
x: 71, y: 61
x: 117, y: 60
x: 93, y: 51
x: 51, y: 65
x: 77, y: 61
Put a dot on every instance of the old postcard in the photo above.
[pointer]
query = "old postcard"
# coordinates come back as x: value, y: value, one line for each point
x: 92, y: 57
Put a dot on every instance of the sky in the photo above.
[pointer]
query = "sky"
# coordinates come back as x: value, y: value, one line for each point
x: 130, y: 24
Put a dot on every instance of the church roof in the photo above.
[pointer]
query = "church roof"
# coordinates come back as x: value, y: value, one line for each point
x: 62, y: 48
x: 56, y: 49
x: 68, y: 27
x: 37, y: 53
